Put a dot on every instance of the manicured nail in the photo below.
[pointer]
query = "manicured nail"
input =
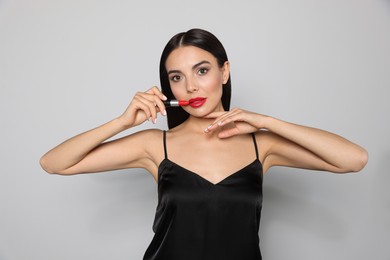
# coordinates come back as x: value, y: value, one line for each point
x: 164, y: 97
x: 208, y: 128
x: 155, y: 120
x: 164, y: 112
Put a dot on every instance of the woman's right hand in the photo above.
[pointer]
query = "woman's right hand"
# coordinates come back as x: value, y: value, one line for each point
x: 144, y: 106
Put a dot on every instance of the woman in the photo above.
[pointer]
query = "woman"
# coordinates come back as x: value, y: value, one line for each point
x: 210, y: 163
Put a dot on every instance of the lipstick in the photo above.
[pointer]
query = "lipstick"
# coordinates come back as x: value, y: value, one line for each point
x: 197, y: 102
x: 175, y: 103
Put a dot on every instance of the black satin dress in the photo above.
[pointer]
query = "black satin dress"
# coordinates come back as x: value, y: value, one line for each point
x: 198, y: 220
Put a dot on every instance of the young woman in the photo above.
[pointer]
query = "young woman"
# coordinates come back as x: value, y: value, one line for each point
x: 209, y: 165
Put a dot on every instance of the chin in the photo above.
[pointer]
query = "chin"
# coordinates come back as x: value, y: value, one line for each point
x: 202, y: 113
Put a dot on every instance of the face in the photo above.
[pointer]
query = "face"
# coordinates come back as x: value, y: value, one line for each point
x: 194, y: 75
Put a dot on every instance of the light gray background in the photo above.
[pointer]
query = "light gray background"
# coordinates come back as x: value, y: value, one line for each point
x: 69, y: 66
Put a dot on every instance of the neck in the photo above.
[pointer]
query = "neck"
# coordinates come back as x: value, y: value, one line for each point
x: 199, y: 123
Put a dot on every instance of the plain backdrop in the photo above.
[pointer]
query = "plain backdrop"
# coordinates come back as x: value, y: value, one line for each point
x: 69, y: 66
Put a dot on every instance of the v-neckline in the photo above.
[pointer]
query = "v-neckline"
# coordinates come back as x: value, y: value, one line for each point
x: 193, y: 173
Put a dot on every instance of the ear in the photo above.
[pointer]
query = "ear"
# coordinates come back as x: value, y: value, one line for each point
x: 225, y: 72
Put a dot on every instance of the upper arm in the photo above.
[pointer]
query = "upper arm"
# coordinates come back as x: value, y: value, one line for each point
x: 132, y: 151
x: 280, y: 151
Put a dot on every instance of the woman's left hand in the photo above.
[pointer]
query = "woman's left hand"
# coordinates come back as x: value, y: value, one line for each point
x: 234, y: 122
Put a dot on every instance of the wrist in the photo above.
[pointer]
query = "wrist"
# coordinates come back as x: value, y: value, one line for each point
x: 121, y: 124
x: 267, y: 122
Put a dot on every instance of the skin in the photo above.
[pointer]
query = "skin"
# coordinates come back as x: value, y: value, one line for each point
x: 209, y: 135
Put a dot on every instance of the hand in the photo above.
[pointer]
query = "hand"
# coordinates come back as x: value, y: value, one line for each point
x: 144, y: 106
x: 234, y: 122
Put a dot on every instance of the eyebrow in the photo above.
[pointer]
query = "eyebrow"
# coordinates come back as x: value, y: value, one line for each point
x: 193, y: 67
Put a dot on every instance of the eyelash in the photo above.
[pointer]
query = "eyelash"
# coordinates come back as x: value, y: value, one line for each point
x: 201, y: 71
x: 174, y: 78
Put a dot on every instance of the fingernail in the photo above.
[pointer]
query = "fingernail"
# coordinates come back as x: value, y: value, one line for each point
x: 208, y: 128
x: 164, y: 112
x: 150, y: 118
x: 155, y: 120
x: 164, y: 97
x: 220, y: 123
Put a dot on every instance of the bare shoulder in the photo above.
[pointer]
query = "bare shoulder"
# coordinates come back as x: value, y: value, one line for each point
x: 265, y: 141
x: 151, y: 142
x: 152, y: 134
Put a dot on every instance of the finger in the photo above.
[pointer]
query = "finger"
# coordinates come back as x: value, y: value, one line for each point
x: 229, y: 132
x: 157, y: 96
x: 226, y: 118
x: 159, y: 105
x: 152, y: 108
x: 148, y: 107
x: 217, y: 116
x: 154, y: 102
x: 140, y: 105
x: 156, y: 91
x: 234, y: 115
x: 149, y: 102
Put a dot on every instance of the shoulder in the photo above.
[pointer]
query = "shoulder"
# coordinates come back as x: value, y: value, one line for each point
x: 149, y: 146
x: 266, y: 138
x: 270, y: 141
x: 152, y: 141
x: 148, y: 139
x: 150, y: 133
x: 266, y: 142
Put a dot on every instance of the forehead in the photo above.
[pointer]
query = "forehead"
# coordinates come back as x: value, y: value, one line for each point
x: 187, y: 56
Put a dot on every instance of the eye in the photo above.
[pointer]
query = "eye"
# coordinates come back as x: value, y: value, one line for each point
x: 203, y: 71
x: 175, y: 78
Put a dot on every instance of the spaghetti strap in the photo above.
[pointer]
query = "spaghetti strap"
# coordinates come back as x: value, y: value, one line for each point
x: 165, y: 144
x: 255, y: 144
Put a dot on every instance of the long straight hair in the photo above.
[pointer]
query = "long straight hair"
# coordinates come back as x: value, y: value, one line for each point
x: 203, y: 40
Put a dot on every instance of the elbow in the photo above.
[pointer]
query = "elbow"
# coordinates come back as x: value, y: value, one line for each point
x: 44, y: 165
x: 52, y: 170
x: 359, y: 162
x: 362, y: 160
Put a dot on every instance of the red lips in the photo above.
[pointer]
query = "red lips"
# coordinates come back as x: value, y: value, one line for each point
x: 197, y: 102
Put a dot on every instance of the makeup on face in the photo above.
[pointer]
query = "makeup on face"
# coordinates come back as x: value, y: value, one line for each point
x: 197, y: 102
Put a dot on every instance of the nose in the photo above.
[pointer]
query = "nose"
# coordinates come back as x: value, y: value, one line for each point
x: 191, y: 86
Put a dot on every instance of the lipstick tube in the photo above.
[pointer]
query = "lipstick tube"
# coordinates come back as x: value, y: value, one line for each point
x: 175, y: 103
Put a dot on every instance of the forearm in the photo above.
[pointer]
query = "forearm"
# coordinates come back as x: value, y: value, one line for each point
x: 330, y: 147
x: 76, y: 148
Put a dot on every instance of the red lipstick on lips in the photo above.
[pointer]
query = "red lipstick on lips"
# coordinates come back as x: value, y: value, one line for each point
x: 197, y: 102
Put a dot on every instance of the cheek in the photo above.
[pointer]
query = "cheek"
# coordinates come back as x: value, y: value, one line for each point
x: 213, y: 84
x: 178, y: 91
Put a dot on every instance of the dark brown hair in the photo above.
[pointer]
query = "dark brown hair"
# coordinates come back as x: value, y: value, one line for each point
x: 201, y: 39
